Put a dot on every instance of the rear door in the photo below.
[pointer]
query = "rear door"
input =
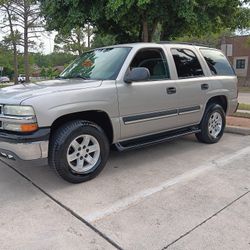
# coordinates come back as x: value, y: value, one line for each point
x: 192, y: 84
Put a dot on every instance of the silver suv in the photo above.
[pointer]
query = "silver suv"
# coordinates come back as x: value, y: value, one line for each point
x: 129, y: 96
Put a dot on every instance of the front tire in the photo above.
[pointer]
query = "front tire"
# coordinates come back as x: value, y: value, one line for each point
x: 78, y: 151
x: 212, y: 124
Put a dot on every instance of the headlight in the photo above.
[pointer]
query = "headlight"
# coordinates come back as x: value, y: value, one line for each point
x: 15, y: 110
x: 18, y: 118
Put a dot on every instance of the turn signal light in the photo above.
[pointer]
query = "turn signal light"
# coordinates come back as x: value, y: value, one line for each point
x: 28, y: 127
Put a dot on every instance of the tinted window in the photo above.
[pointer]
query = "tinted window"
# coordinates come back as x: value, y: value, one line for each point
x: 217, y: 62
x: 187, y: 63
x: 154, y: 60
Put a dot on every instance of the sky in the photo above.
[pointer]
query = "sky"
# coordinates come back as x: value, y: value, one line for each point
x: 48, y: 40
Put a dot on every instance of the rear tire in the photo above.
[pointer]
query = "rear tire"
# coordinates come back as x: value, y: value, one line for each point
x: 212, y: 125
x: 78, y: 151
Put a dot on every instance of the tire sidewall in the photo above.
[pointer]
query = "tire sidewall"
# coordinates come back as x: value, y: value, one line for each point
x: 60, y: 157
x: 210, y: 110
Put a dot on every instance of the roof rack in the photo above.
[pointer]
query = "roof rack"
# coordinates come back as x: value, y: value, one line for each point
x: 185, y: 43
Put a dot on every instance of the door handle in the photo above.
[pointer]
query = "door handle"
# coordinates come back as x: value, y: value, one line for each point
x: 171, y: 90
x: 204, y: 86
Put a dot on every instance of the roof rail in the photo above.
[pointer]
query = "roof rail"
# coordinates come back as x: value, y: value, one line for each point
x: 185, y: 43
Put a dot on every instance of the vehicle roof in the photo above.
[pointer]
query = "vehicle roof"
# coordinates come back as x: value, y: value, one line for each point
x: 160, y: 44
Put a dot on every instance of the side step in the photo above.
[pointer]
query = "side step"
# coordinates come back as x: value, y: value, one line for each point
x: 155, y: 139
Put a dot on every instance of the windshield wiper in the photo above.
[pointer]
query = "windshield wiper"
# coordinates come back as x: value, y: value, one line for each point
x: 81, y: 77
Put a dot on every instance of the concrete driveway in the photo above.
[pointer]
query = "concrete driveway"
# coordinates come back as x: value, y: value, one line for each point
x: 244, y: 98
x: 176, y: 195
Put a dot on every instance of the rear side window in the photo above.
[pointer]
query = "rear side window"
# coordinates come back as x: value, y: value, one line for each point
x: 187, y: 63
x: 217, y: 62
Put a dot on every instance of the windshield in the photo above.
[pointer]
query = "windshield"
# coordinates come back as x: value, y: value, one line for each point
x: 99, y: 64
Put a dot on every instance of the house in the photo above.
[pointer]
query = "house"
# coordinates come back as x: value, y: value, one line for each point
x: 237, y: 49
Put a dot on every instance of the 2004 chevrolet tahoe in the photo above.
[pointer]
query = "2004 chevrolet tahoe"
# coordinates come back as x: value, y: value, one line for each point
x: 129, y: 96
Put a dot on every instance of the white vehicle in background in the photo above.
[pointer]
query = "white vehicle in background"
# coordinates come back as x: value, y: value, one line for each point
x: 4, y: 79
x: 21, y: 78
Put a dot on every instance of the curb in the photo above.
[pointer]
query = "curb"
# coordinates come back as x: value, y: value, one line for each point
x: 237, y: 130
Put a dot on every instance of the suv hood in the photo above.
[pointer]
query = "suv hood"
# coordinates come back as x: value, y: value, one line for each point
x: 18, y: 93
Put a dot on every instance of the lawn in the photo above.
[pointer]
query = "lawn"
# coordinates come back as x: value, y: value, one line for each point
x: 244, y: 89
x: 244, y: 106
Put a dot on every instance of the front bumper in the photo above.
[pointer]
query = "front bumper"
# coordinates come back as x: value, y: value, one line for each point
x: 25, y: 147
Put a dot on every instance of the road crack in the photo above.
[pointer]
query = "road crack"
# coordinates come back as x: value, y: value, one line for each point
x: 203, y: 222
x: 69, y: 210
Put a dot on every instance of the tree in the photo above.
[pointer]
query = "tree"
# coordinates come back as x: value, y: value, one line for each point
x: 138, y: 20
x: 101, y: 40
x: 6, y: 60
x: 211, y: 39
x: 13, y: 35
x: 52, y: 60
x: 72, y: 42
x: 28, y: 20
x: 43, y: 72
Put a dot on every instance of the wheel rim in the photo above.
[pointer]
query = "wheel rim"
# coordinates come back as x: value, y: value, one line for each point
x: 215, y: 124
x: 83, y: 153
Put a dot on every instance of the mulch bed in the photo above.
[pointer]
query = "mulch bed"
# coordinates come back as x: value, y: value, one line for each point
x: 238, y: 121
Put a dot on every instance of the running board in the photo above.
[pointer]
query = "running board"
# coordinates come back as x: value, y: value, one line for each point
x: 155, y: 139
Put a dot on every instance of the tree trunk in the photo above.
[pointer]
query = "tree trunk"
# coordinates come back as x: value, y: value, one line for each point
x: 15, y: 61
x: 13, y: 40
x: 88, y: 34
x: 152, y: 31
x: 145, y: 31
x: 26, y: 45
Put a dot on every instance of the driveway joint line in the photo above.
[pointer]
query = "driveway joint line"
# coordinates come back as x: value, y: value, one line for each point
x: 206, y: 220
x: 77, y: 216
x: 136, y: 198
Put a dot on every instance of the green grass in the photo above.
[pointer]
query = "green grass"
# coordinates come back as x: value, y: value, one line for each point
x: 242, y: 115
x: 244, y: 89
x: 244, y: 106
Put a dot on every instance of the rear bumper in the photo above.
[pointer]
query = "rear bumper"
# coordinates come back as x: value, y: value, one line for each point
x: 25, y: 147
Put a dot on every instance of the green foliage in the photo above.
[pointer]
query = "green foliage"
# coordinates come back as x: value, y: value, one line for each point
x: 6, y: 61
x: 52, y: 60
x: 43, y: 72
x: 211, y: 39
x: 40, y: 60
x: 101, y: 40
x: 72, y: 42
x: 137, y: 20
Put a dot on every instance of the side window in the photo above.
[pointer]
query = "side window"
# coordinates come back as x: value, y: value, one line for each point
x: 187, y: 63
x: 217, y: 62
x: 154, y: 60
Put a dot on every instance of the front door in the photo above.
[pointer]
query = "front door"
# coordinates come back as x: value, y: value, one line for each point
x: 150, y: 106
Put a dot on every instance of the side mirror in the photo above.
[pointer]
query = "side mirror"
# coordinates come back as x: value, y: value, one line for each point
x: 137, y: 75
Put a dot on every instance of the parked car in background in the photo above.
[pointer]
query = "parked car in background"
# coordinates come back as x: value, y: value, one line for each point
x: 128, y: 96
x: 21, y: 78
x: 4, y: 79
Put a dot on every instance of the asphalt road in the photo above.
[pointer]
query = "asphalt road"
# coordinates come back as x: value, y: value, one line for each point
x: 176, y: 195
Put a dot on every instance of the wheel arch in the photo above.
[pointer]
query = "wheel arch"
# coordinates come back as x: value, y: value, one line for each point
x: 219, y: 99
x: 99, y: 117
